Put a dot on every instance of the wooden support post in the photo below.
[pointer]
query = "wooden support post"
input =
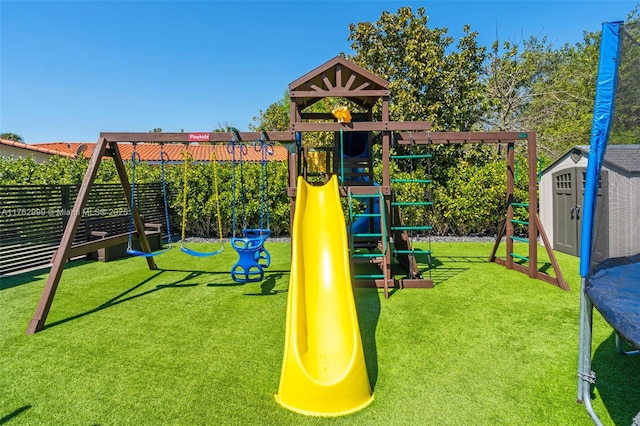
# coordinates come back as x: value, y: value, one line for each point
x: 559, y: 280
x: 137, y: 220
x: 386, y: 145
x: 533, y: 205
x: 291, y: 161
x: 62, y: 254
x: 510, y: 190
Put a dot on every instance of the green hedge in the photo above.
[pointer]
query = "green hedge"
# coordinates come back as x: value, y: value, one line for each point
x: 468, y: 192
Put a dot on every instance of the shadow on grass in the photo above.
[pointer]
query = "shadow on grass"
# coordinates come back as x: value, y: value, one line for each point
x: 268, y: 285
x: 10, y: 281
x: 126, y: 296
x: 617, y: 381
x: 13, y: 415
x: 544, y: 268
x: 368, y: 308
x: 441, y: 271
x: 237, y: 284
x: 442, y: 260
x: 267, y: 289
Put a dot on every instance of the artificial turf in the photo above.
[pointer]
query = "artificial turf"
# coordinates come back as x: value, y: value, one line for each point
x: 185, y: 345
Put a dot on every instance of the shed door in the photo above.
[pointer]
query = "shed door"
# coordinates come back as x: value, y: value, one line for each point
x: 565, y: 219
x: 600, y: 239
x: 568, y: 198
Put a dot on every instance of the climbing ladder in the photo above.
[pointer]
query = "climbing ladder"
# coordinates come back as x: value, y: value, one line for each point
x: 526, y: 264
x: 401, y: 232
x: 515, y: 238
x: 372, y: 245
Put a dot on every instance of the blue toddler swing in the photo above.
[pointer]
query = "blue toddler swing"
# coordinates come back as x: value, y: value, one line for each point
x: 253, y: 256
x: 135, y: 159
x: 185, y: 190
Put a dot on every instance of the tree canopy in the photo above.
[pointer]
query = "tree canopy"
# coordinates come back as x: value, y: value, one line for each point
x: 11, y: 137
x: 429, y: 79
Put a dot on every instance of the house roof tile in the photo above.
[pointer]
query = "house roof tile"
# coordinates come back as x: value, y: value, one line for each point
x: 150, y: 152
x: 59, y: 148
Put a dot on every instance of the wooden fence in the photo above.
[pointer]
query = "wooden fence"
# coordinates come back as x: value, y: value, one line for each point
x: 33, y: 217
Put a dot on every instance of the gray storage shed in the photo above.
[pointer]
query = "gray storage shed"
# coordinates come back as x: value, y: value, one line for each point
x: 562, y: 192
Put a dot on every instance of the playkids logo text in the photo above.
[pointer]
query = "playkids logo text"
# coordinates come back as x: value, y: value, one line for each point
x: 198, y: 137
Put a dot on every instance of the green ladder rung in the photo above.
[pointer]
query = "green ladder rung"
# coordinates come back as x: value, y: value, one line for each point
x: 414, y: 252
x: 403, y: 157
x: 522, y: 240
x: 411, y: 180
x: 412, y: 203
x: 365, y: 195
x: 368, y: 276
x: 517, y: 256
x: 367, y: 255
x: 520, y: 204
x: 411, y: 228
x: 365, y: 235
x: 367, y: 215
x: 521, y: 222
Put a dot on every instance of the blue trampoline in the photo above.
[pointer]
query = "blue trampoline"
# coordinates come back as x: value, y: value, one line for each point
x: 611, y: 277
x: 614, y: 289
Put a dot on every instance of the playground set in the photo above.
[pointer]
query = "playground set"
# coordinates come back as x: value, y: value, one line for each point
x: 323, y: 369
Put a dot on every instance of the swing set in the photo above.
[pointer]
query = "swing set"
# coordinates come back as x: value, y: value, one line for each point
x: 249, y: 244
x: 253, y: 256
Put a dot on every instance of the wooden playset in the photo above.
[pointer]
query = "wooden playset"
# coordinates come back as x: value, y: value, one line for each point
x: 390, y: 239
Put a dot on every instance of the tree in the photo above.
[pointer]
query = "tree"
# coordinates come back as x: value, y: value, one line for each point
x: 509, y: 73
x: 276, y: 116
x: 533, y: 87
x: 626, y: 124
x: 428, y: 79
x: 561, y: 107
x: 11, y: 137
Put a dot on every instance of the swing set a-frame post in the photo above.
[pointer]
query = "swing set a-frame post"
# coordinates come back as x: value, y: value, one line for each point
x: 60, y: 257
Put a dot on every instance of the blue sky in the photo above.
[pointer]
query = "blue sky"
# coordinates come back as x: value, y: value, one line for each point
x: 71, y: 69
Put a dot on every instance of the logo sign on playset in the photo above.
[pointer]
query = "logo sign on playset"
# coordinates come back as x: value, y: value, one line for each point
x: 199, y: 137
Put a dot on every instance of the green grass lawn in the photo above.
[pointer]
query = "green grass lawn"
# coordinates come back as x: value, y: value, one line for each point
x: 185, y: 345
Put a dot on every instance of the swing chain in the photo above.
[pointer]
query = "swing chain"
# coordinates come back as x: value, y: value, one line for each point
x: 164, y: 158
x: 135, y: 159
x: 185, y: 189
x: 265, y: 148
x: 235, y: 144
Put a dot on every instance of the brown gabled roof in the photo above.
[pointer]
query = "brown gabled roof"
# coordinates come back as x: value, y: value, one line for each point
x: 339, y: 77
x: 150, y: 152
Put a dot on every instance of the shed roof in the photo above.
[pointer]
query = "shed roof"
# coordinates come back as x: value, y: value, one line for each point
x: 625, y: 158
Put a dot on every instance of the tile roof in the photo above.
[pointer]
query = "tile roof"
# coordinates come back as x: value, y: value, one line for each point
x: 175, y: 152
x: 59, y: 148
x: 151, y: 152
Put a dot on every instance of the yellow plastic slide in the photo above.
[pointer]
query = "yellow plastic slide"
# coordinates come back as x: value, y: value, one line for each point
x: 323, y: 370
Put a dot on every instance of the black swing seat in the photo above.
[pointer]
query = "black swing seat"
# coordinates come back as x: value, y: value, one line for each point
x: 614, y: 289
